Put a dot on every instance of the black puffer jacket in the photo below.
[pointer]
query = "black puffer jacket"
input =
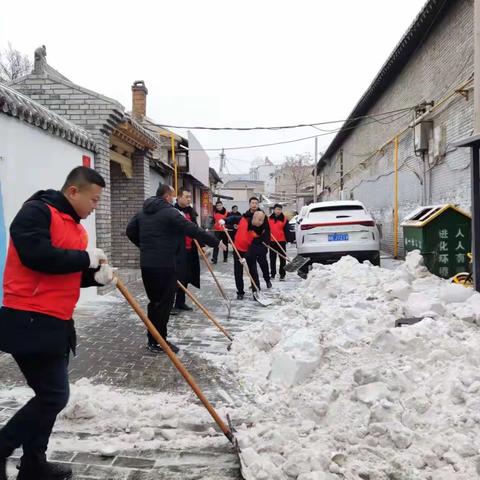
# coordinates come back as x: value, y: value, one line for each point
x: 159, y: 231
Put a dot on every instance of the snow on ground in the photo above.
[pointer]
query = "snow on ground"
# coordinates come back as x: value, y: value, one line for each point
x: 345, y: 394
x: 332, y: 389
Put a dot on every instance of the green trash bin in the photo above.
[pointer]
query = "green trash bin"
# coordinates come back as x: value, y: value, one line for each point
x: 442, y: 233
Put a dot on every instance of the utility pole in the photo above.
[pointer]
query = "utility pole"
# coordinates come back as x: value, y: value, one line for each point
x: 341, y: 174
x: 315, y: 173
x: 222, y: 162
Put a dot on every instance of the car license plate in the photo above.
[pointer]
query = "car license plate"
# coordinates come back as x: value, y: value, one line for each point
x: 338, y: 237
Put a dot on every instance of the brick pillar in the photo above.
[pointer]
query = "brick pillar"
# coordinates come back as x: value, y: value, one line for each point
x: 127, y: 196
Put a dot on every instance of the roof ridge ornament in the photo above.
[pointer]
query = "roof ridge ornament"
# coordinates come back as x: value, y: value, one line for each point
x: 40, y: 62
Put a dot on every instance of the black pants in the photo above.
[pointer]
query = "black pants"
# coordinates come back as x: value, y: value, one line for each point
x: 183, y: 275
x: 238, y: 271
x: 32, y: 425
x: 273, y: 258
x: 160, y: 285
x: 223, y: 238
x: 259, y: 253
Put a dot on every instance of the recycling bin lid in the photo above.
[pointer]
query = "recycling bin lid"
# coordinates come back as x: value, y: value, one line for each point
x: 425, y: 214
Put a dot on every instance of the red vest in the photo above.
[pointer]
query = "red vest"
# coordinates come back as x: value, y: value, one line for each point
x: 217, y: 216
x: 54, y: 295
x: 277, y: 229
x: 244, y: 237
x: 188, y: 240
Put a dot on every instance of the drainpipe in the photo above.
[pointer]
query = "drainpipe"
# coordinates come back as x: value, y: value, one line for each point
x: 175, y: 166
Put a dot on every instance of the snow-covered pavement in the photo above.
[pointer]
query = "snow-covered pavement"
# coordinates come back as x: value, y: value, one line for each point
x: 322, y: 385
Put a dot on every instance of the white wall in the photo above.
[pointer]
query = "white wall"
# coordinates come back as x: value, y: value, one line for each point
x: 155, y: 180
x: 31, y: 160
x: 199, y: 161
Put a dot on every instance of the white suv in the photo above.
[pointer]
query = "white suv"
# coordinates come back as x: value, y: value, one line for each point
x: 328, y: 231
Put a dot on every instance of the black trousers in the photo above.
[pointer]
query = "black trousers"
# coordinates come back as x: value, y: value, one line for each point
x: 223, y: 238
x: 259, y: 253
x: 32, y: 425
x: 160, y: 286
x: 183, y: 275
x: 273, y: 258
x: 238, y: 271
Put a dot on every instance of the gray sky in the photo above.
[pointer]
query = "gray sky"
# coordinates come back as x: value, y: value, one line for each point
x: 219, y: 62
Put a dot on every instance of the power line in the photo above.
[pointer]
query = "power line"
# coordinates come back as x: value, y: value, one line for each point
x: 245, y: 147
x: 285, y: 127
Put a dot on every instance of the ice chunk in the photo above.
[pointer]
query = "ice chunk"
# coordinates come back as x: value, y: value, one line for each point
x: 455, y: 293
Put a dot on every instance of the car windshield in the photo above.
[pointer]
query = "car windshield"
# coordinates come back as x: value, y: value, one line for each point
x: 333, y: 208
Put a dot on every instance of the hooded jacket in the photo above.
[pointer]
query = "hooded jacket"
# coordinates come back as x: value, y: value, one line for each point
x: 217, y: 216
x: 46, y: 266
x: 159, y: 232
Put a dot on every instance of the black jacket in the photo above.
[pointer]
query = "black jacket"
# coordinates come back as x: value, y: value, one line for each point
x: 188, y: 265
x: 27, y: 333
x: 159, y: 231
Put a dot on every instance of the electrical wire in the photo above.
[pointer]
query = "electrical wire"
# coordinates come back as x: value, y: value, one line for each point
x: 284, y: 127
x: 397, y: 116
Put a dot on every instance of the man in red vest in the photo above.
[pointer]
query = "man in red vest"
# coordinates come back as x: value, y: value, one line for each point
x: 249, y: 229
x: 220, y: 213
x: 279, y: 233
x: 47, y: 263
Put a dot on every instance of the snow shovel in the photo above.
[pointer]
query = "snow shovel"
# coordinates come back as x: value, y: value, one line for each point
x: 296, y: 264
x: 227, y: 430
x: 256, y: 292
x: 210, y: 269
x: 204, y: 310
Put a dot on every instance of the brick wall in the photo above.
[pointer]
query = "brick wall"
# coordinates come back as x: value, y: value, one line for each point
x: 436, y: 68
x: 127, y: 196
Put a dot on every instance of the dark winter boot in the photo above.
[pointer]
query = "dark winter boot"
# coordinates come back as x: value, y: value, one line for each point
x: 37, y: 468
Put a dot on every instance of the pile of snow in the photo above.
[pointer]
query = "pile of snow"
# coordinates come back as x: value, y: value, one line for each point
x: 345, y: 394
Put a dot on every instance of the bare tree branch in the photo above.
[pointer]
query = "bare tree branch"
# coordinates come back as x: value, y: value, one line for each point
x: 13, y: 64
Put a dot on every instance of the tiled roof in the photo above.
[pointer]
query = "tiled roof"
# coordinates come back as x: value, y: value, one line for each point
x: 25, y: 109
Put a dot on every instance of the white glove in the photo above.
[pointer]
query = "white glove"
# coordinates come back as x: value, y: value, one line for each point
x: 222, y: 246
x: 106, y: 275
x: 96, y: 256
x: 221, y: 222
x: 243, y: 261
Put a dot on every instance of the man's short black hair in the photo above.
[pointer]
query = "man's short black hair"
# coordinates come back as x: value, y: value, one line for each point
x: 277, y: 205
x: 219, y: 202
x: 163, y: 189
x: 82, y: 177
x: 182, y: 191
x: 253, y: 198
x: 234, y: 206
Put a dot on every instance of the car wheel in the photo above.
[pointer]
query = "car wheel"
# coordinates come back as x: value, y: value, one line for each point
x: 375, y: 259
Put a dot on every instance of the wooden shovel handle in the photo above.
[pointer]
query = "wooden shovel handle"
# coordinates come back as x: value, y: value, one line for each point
x: 279, y: 246
x: 240, y: 260
x: 277, y: 252
x: 207, y: 263
x: 204, y: 310
x: 178, y: 364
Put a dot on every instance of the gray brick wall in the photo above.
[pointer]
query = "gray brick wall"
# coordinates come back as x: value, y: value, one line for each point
x: 127, y: 199
x: 435, y: 69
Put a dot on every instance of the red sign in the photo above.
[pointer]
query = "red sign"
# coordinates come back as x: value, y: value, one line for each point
x: 86, y: 161
x: 206, y: 204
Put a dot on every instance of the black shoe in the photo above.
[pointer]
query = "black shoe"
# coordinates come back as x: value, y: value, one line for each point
x: 269, y: 284
x: 272, y: 276
x: 45, y: 471
x: 240, y: 296
x: 225, y: 260
x: 174, y: 311
x: 214, y: 262
x: 282, y: 279
x: 173, y: 347
x: 154, y: 348
x: 184, y: 306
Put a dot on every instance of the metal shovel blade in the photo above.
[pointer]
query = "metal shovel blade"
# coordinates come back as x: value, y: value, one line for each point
x: 246, y: 475
x: 297, y: 263
x: 264, y: 302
